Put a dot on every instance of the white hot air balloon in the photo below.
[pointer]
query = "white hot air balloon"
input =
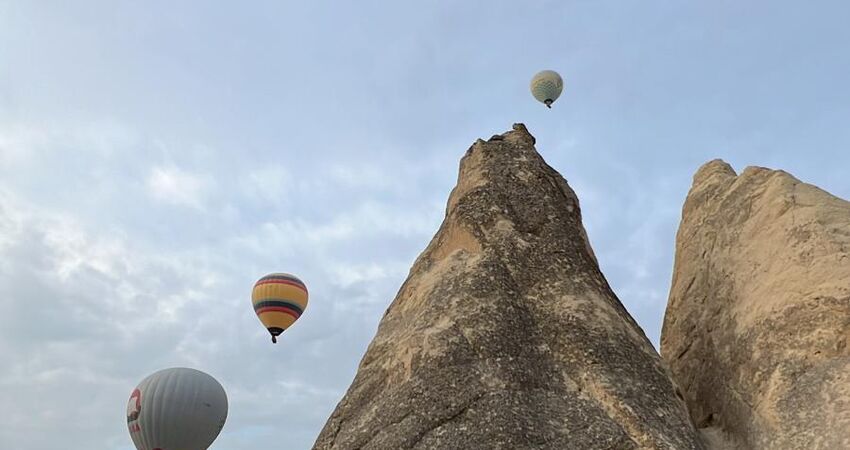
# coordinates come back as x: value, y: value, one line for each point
x: 176, y: 409
x: 546, y: 87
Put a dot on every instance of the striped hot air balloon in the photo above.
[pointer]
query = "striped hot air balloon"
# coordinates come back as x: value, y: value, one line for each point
x: 279, y: 300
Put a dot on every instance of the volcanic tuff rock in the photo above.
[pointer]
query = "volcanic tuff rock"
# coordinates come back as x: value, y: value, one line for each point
x: 758, y: 318
x: 506, y: 335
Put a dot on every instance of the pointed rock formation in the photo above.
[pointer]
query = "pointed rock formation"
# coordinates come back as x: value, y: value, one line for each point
x: 506, y: 335
x: 758, y: 318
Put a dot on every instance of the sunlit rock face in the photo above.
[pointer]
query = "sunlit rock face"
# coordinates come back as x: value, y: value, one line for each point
x: 506, y: 335
x: 758, y: 319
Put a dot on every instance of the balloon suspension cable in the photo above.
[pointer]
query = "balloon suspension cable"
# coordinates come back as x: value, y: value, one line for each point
x: 548, y: 103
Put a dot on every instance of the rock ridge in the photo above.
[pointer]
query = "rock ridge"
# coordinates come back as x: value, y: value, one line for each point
x: 506, y: 335
x: 758, y: 317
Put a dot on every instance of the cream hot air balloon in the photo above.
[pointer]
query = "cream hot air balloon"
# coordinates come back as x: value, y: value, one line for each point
x: 176, y: 409
x: 546, y: 87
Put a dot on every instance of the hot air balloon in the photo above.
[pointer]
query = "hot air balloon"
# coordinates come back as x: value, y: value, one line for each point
x: 178, y: 408
x: 546, y: 87
x: 279, y: 300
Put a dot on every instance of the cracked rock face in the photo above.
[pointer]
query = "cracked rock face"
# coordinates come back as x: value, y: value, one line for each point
x: 506, y: 335
x: 758, y: 318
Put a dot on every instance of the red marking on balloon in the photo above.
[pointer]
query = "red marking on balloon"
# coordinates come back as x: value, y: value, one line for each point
x: 134, y: 408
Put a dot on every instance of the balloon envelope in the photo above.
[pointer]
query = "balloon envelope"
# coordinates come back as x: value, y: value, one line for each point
x: 546, y: 87
x: 279, y: 299
x: 176, y: 409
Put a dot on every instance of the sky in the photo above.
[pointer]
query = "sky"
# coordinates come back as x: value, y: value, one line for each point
x: 157, y: 157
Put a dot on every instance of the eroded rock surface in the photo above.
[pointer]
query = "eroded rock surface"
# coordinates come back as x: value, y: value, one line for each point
x: 506, y: 335
x: 758, y: 319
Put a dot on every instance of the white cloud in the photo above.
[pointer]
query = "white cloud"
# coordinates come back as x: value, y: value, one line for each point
x: 81, y: 313
x: 361, y: 175
x: 24, y: 142
x: 176, y: 186
x: 119, y: 307
x: 270, y: 183
x: 348, y: 274
x: 17, y: 142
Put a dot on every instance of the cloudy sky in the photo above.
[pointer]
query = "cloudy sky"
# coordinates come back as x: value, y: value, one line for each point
x: 157, y: 157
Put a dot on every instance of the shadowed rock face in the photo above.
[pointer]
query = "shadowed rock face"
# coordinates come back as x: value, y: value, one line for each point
x: 506, y: 335
x: 758, y: 318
